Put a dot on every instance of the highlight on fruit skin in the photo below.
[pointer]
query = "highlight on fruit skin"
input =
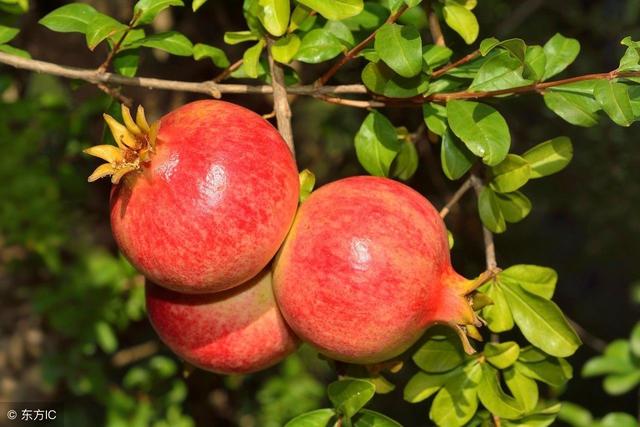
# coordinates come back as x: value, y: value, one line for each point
x: 135, y: 141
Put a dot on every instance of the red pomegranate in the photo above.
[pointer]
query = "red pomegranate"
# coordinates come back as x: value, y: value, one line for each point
x: 236, y: 331
x: 202, y: 199
x: 365, y: 270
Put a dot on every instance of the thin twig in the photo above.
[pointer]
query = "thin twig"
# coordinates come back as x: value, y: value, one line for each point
x: 593, y: 342
x: 434, y: 26
x: 456, y: 197
x: 227, y: 71
x: 116, y: 48
x: 445, y: 69
x: 351, y: 102
x: 115, y: 93
x: 357, y: 49
x: 280, y: 101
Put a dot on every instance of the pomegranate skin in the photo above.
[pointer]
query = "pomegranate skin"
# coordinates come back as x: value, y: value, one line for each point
x: 213, y: 205
x: 366, y: 269
x: 232, y: 332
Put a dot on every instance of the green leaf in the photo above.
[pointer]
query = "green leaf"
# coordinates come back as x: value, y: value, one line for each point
x: 236, y: 37
x: 274, y: 15
x: 376, y: 144
x: 618, y: 419
x: 634, y: 340
x: 549, y: 157
x: 575, y: 415
x: 531, y: 354
x: 197, y: 4
x: 494, y: 398
x: 555, y: 372
x: 631, y: 59
x: 614, y: 99
x: 541, y: 322
x: 617, y: 384
x: 369, y: 54
x: 72, y: 18
x: 301, y: 19
x: 368, y: 418
x: 435, y: 117
x: 501, y: 71
x: 457, y: 401
x: 335, y: 10
x: 498, y: 315
x: 423, y: 385
x: 400, y: 47
x: 502, y: 355
x: 105, y: 337
x: 514, y: 207
x: 462, y: 21
x: 317, y: 46
x: 251, y: 58
x: 456, y: 159
x: 440, y: 353
x: 101, y: 27
x: 340, y: 31
x: 435, y: 55
x: 533, y: 278
x: 523, y: 388
x: 516, y: 47
x: 126, y: 62
x: 285, y: 48
x: 510, y: 174
x: 172, y: 42
x: 535, y: 61
x: 7, y: 34
x: 350, y: 395
x: 490, y: 212
x: 483, y: 129
x: 147, y: 10
x: 406, y: 162
x: 370, y: 18
x: 579, y: 110
x: 317, y: 418
x: 217, y: 56
x: 560, y: 52
x: 616, y: 360
x: 14, y: 51
x: 307, y: 182
x: 381, y: 79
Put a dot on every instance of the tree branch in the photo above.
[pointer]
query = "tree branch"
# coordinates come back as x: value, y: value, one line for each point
x: 445, y: 69
x: 489, y: 246
x: 227, y: 71
x: 456, y: 197
x: 280, y: 101
x: 357, y: 49
x: 434, y: 26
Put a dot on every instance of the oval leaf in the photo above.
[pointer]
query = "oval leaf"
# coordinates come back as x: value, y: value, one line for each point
x: 502, y: 355
x: 350, y: 395
x: 510, y: 174
x: 400, y: 47
x: 318, y: 45
x: 549, y: 157
x: 455, y: 157
x: 274, y: 16
x: 317, y: 418
x: 462, y: 21
x: 541, y: 322
x: 335, y: 10
x: 483, y: 130
x: 376, y: 144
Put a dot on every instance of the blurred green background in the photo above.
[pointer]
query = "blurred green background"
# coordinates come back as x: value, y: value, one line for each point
x: 72, y: 320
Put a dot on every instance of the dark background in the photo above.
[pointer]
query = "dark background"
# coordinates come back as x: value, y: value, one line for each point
x: 72, y: 324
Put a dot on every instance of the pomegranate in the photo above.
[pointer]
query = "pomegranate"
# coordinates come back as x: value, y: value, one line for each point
x: 236, y: 331
x: 365, y: 270
x: 203, y: 198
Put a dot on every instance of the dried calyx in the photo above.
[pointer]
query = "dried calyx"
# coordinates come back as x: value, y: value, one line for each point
x: 135, y: 141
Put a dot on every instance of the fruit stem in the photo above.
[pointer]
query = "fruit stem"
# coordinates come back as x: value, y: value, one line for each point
x: 483, y: 278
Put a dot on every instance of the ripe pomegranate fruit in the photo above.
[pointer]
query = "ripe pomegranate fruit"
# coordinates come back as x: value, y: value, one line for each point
x: 236, y: 331
x: 203, y: 198
x: 365, y: 270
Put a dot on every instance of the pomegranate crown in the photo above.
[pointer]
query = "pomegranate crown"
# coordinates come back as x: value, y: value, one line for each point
x: 135, y: 140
